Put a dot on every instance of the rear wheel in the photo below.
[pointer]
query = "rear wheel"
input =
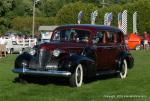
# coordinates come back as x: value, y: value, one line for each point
x: 77, y: 77
x: 124, y: 70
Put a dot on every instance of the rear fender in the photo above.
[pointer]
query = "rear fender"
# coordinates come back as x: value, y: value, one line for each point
x: 128, y: 57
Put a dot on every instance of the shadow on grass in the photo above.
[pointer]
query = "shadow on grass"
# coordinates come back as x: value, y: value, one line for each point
x: 61, y: 81
x: 42, y: 80
x: 101, y: 78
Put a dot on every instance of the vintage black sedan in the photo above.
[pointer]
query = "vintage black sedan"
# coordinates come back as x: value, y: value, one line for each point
x: 77, y: 52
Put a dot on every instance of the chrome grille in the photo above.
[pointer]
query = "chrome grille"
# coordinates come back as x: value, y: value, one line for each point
x: 44, y: 61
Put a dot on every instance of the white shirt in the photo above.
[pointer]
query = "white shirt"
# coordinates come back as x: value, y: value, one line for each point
x: 2, y: 41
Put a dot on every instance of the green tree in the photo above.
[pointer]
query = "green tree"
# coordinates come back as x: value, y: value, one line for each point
x: 23, y: 7
x: 24, y: 24
x: 68, y: 14
x: 5, y: 6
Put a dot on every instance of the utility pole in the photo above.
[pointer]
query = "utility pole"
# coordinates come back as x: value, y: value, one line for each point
x: 103, y: 3
x: 33, y: 21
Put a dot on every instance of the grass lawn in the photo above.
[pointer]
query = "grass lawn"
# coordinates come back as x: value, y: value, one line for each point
x: 136, y: 87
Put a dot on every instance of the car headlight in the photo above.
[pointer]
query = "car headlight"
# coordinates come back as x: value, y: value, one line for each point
x: 56, y: 52
x: 32, y: 51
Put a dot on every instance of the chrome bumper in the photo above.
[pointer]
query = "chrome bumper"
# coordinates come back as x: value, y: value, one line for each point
x: 37, y: 72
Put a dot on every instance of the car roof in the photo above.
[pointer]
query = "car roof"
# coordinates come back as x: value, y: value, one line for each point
x: 91, y: 27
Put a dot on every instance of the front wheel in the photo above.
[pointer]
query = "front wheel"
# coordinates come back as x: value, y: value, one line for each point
x: 77, y: 77
x: 138, y: 47
x: 124, y: 70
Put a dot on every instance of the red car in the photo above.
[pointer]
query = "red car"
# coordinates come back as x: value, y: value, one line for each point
x: 78, y: 52
x: 134, y: 41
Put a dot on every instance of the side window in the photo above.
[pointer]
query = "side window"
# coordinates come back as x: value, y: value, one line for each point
x: 82, y: 35
x: 122, y: 39
x: 99, y: 37
x: 61, y: 35
x: 114, y: 37
x: 109, y: 37
x: 73, y: 35
x: 57, y: 36
x: 119, y: 37
x: 104, y: 37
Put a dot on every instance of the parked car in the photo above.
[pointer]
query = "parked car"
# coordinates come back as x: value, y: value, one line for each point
x: 78, y: 52
x: 134, y: 41
x: 13, y: 47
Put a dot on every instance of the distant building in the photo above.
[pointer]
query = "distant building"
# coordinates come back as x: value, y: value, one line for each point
x: 46, y: 32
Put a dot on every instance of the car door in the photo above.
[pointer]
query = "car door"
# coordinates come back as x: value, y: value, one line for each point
x: 100, y: 51
x: 78, y: 40
x: 107, y: 51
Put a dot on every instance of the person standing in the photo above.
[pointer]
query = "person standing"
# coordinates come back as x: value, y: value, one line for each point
x: 0, y: 39
x: 2, y: 46
x: 3, y: 40
x: 146, y: 45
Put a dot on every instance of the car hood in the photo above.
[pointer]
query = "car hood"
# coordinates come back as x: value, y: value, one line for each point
x: 54, y: 45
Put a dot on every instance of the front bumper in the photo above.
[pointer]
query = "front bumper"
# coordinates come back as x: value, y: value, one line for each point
x: 38, y: 72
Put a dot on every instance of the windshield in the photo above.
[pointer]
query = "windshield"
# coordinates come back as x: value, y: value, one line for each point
x: 71, y: 35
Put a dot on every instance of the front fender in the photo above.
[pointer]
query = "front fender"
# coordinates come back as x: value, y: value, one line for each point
x: 88, y: 64
x: 22, y: 57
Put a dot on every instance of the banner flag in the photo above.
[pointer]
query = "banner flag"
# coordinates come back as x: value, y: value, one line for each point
x: 135, y: 22
x: 109, y: 18
x: 124, y: 22
x: 120, y: 20
x: 105, y: 19
x: 93, y: 16
x: 80, y: 15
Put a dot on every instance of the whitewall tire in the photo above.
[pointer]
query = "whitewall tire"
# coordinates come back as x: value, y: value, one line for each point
x: 124, y: 70
x: 76, y: 78
x: 138, y: 47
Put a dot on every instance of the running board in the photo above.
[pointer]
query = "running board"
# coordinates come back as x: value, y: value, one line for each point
x: 106, y: 72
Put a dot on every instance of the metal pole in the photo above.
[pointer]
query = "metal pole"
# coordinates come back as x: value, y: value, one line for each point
x: 33, y: 19
x: 103, y: 3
